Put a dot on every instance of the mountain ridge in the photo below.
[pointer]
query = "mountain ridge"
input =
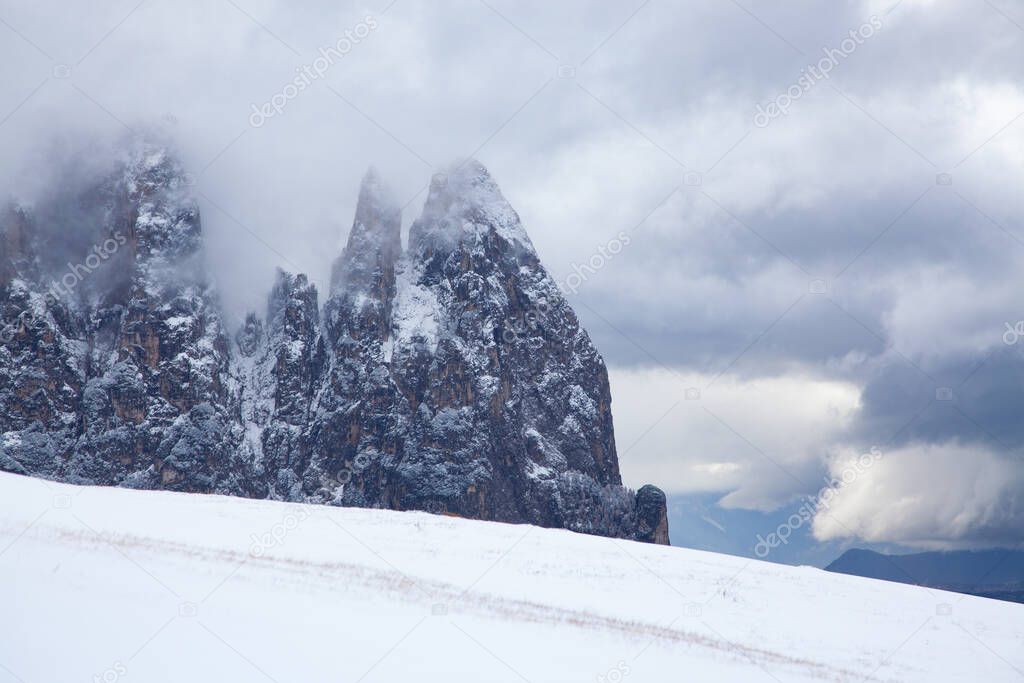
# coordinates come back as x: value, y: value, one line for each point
x: 997, y: 573
x: 450, y: 376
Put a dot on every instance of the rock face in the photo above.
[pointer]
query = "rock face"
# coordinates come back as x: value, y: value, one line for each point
x: 452, y: 377
x: 120, y: 377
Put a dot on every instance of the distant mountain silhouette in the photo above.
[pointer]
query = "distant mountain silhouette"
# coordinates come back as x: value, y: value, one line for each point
x: 995, y: 574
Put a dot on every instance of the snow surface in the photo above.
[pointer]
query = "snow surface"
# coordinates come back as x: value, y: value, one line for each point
x: 105, y: 584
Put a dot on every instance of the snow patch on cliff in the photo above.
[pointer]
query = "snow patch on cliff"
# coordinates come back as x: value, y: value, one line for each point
x: 416, y: 313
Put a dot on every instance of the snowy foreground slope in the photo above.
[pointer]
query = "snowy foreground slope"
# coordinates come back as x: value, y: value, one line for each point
x: 110, y: 584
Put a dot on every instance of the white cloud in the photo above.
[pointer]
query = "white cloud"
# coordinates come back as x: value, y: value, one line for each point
x: 760, y: 442
x: 940, y: 311
x: 931, y: 496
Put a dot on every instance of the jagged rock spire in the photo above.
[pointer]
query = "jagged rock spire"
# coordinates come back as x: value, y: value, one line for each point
x: 363, y: 277
x: 14, y: 241
x: 510, y: 398
x: 156, y: 207
x: 292, y: 297
x: 374, y: 244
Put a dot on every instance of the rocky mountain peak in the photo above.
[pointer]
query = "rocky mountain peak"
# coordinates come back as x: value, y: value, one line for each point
x: 292, y: 298
x: 16, y: 253
x: 363, y: 276
x: 465, y: 206
x: 452, y: 378
x: 374, y: 243
x: 122, y: 376
x: 155, y: 207
x: 377, y: 208
x: 151, y: 167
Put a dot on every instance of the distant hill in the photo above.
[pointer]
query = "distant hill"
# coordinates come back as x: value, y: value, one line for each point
x: 995, y: 574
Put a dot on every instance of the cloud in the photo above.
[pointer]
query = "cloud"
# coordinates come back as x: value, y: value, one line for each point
x: 930, y: 496
x: 754, y: 441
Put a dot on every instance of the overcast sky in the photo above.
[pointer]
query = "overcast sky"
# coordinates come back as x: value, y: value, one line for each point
x: 798, y: 286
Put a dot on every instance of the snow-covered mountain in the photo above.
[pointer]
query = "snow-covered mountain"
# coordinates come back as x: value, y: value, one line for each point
x: 110, y: 584
x: 451, y: 377
x: 113, y: 361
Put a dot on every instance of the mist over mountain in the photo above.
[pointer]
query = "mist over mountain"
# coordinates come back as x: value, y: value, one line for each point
x: 451, y: 376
